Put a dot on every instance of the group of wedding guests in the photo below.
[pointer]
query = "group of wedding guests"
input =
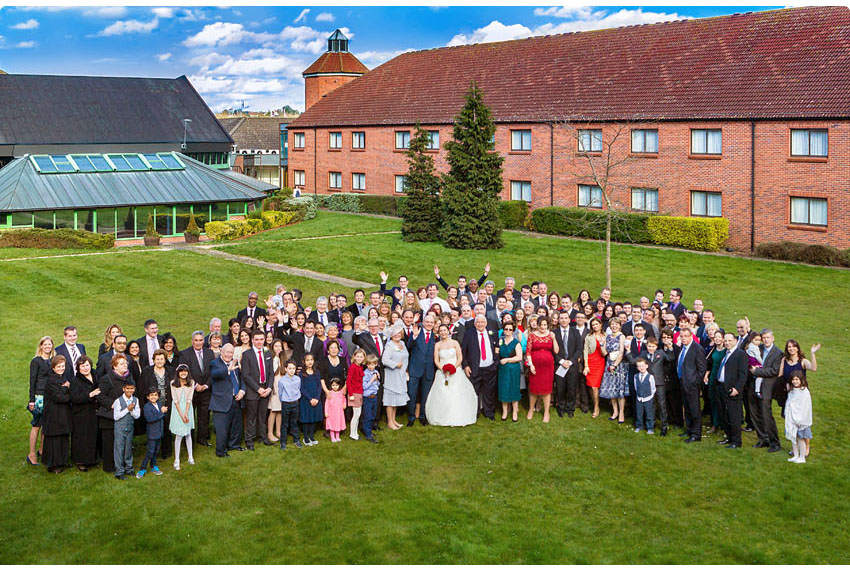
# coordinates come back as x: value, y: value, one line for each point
x: 286, y: 370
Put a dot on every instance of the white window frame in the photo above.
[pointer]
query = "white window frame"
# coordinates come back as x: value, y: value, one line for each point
x: 358, y: 140
x: 594, y: 196
x: 402, y: 139
x: 591, y: 138
x: 700, y: 204
x: 807, y: 201
x: 520, y: 140
x: 433, y: 140
x: 639, y: 137
x: 332, y: 175
x: 358, y: 181
x: 521, y: 190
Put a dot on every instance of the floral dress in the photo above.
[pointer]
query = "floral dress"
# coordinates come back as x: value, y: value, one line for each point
x: 614, y: 384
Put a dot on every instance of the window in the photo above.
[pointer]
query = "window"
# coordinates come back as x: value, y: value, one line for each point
x: 358, y: 140
x: 706, y: 142
x: 358, y: 181
x: 298, y: 139
x: 164, y: 220
x: 520, y: 140
x: 706, y: 204
x: 590, y: 140
x: 809, y: 143
x: 402, y: 140
x: 433, y: 140
x: 335, y: 140
x: 63, y: 165
x: 808, y: 211
x: 20, y: 218
x: 521, y: 190
x: 589, y: 196
x: 492, y: 146
x: 218, y: 212
x: 298, y: 177
x: 401, y: 184
x: 64, y: 219
x: 335, y: 180
x: 644, y: 199
x: 644, y: 141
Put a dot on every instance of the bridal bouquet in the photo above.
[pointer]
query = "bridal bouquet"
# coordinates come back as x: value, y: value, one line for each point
x: 448, y: 370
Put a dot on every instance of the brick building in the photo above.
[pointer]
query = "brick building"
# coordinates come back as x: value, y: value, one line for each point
x: 745, y: 117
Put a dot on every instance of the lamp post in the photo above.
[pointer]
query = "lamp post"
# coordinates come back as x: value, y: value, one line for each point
x: 186, y: 123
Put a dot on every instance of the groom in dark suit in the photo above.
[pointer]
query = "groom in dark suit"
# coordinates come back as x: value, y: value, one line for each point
x: 570, y: 346
x: 691, y: 366
x: 420, y: 368
x: 480, y: 347
x: 72, y: 351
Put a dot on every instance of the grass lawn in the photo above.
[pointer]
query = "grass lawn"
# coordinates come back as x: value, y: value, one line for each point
x: 574, y: 491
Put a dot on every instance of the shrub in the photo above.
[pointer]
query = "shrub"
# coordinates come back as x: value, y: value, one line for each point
x: 701, y: 233
x: 513, y: 213
x: 401, y: 203
x: 349, y: 202
x: 56, y: 239
x: 150, y: 230
x: 577, y: 222
x: 804, y: 253
x: 306, y: 204
x: 192, y: 227
x: 272, y: 219
x: 378, y: 204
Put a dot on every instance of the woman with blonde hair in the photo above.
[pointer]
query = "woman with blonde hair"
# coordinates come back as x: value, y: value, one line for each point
x: 108, y: 336
x: 40, y: 369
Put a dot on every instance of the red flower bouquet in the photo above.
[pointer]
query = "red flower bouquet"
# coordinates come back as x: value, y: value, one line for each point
x: 449, y: 369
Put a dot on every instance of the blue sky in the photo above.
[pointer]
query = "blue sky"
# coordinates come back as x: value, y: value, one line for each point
x: 257, y: 54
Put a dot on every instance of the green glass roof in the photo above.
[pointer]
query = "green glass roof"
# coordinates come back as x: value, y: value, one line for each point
x: 93, y: 163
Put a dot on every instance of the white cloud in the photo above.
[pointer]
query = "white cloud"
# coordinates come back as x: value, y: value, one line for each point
x: 122, y: 27
x: 304, y: 38
x: 105, y: 12
x: 207, y: 60
x: 164, y: 57
x: 325, y: 17
x: 276, y: 64
x: 27, y: 44
x: 217, y: 34
x: 495, y: 31
x: 30, y: 24
x: 302, y: 16
x: 190, y: 15
x: 163, y: 13
x: 374, y: 58
x: 579, y: 18
x: 259, y: 53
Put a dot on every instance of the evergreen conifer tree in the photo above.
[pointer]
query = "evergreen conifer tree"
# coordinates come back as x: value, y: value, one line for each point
x: 473, y: 186
x: 422, y: 208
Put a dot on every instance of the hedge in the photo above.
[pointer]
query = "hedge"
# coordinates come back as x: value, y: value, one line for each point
x: 305, y: 204
x: 236, y: 228
x: 513, y: 213
x: 804, y: 253
x: 577, y: 222
x: 700, y: 233
x: 56, y: 239
x: 363, y: 203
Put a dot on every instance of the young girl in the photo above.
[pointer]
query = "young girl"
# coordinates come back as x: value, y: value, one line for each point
x: 335, y: 409
x: 274, y: 400
x: 182, y: 416
x: 354, y: 384
x: 755, y: 359
x: 310, y: 407
x: 798, y: 417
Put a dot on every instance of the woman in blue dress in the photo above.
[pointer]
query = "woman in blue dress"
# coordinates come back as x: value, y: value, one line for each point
x: 615, y: 380
x: 310, y: 405
x: 510, y: 357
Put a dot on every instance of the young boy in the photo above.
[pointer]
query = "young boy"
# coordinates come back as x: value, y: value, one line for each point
x: 657, y: 359
x: 370, y: 396
x: 124, y: 410
x: 645, y: 391
x: 154, y: 413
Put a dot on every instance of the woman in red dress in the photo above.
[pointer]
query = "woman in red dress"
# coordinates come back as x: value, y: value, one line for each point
x: 541, y: 350
x: 594, y: 361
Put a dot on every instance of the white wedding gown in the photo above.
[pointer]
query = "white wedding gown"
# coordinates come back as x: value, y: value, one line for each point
x: 454, y: 404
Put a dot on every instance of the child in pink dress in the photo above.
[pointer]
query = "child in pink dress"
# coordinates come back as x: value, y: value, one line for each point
x: 335, y: 409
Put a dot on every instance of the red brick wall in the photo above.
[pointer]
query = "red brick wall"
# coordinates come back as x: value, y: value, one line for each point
x: 673, y: 171
x: 316, y: 87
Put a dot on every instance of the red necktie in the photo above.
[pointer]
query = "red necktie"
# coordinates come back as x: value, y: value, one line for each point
x: 262, y: 367
x: 378, y: 345
x: 483, y: 348
x: 427, y: 337
x: 638, y: 347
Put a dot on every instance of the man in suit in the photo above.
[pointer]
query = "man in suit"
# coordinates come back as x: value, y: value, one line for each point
x: 509, y: 286
x: 322, y: 314
x: 358, y: 308
x: 373, y: 342
x: 731, y: 377
x: 251, y: 310
x: 582, y: 329
x: 636, y: 319
x: 635, y: 349
x: 420, y: 368
x: 150, y: 342
x: 745, y: 335
x: 569, y: 348
x: 408, y: 318
x: 464, y: 323
x: 432, y: 299
x: 198, y: 359
x: 104, y: 362
x: 462, y: 287
x: 675, y: 305
x: 258, y: 377
x: 541, y: 298
x: 397, y: 293
x: 480, y: 309
x: 480, y: 347
x: 228, y: 390
x: 303, y: 343
x: 762, y: 406
x: 690, y: 367
x: 72, y: 351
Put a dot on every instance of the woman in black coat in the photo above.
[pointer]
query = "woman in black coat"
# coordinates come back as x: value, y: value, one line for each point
x: 39, y: 373
x: 57, y: 417
x: 84, y: 392
x: 111, y: 387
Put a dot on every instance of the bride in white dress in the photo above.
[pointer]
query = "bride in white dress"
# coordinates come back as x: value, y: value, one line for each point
x: 451, y: 403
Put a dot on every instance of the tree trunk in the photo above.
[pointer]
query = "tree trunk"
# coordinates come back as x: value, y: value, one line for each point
x: 608, y: 248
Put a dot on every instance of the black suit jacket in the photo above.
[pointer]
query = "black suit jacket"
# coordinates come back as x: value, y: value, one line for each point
x: 694, y: 365
x: 296, y: 341
x: 735, y: 373
x: 770, y: 366
x: 574, y: 348
x: 244, y: 313
x: 62, y: 349
x: 143, y: 349
x: 188, y: 357
x: 354, y: 312
x: 365, y: 341
x: 250, y: 369
x: 629, y: 328
x: 471, y: 350
x: 333, y: 316
x: 677, y: 312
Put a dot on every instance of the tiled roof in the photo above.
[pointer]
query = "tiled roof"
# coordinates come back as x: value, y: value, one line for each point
x: 254, y: 132
x: 774, y: 64
x: 103, y: 110
x: 336, y: 63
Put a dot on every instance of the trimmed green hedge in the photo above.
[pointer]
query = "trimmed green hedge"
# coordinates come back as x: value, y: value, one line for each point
x: 56, y: 239
x: 700, y: 233
x: 577, y: 222
x: 804, y: 253
x: 236, y: 228
x: 363, y: 203
x: 514, y: 213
